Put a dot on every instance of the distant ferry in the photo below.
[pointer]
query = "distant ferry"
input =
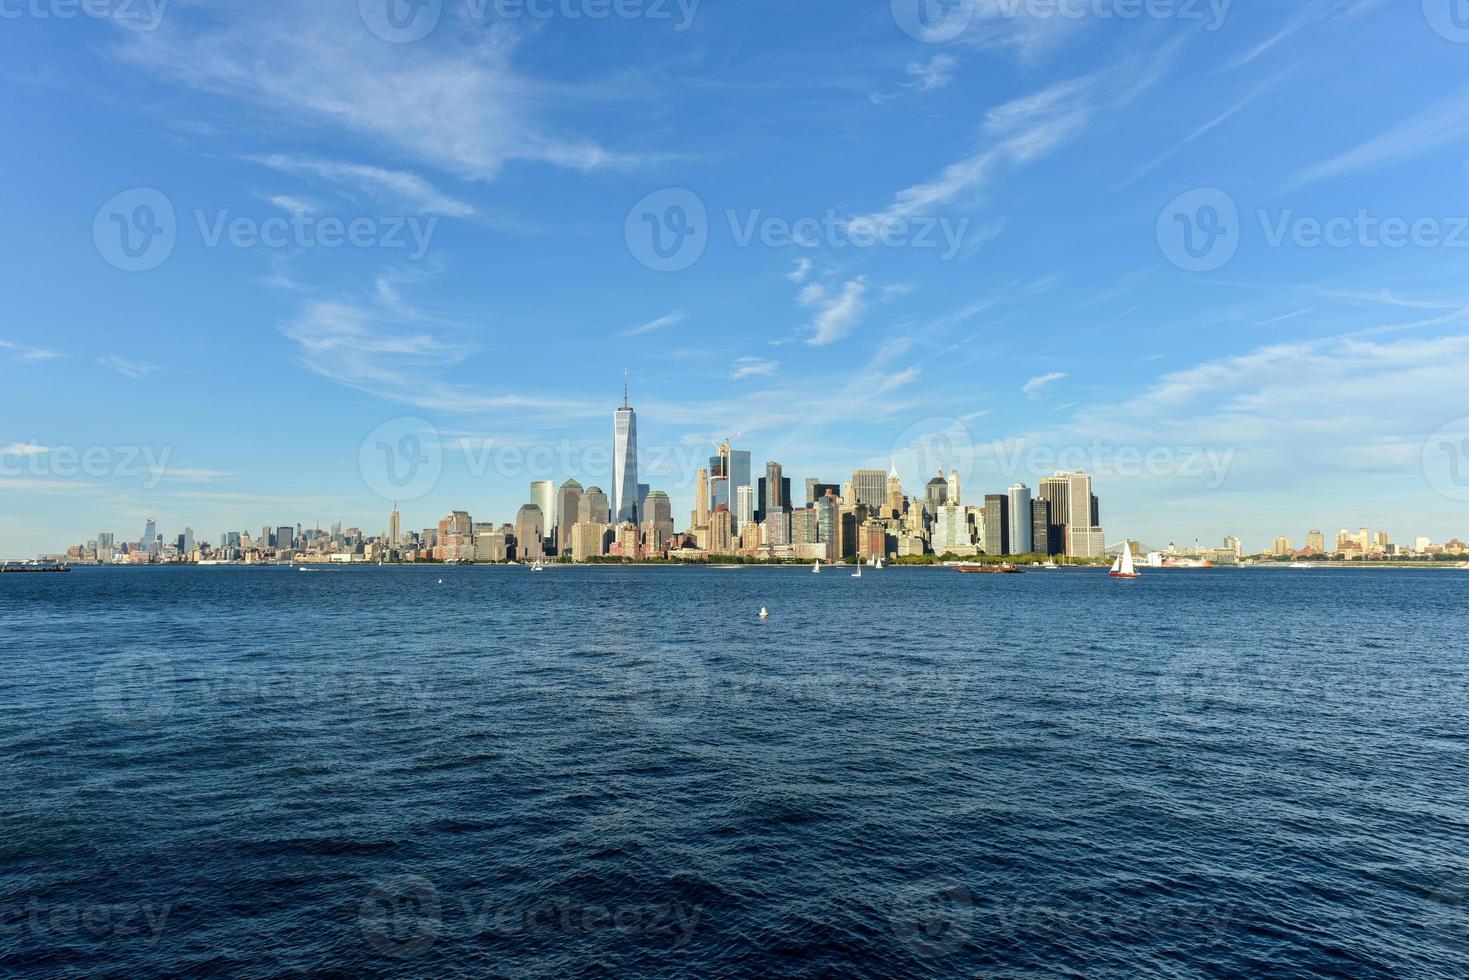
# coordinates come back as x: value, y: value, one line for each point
x: 970, y: 569
x: 1156, y: 559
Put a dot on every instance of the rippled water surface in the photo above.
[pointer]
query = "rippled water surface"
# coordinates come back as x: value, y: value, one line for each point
x: 626, y: 772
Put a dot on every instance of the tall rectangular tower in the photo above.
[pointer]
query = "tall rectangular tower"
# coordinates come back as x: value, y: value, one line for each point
x: 625, y: 462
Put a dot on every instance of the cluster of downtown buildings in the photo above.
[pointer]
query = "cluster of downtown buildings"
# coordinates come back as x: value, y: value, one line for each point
x: 1364, y: 544
x: 736, y: 514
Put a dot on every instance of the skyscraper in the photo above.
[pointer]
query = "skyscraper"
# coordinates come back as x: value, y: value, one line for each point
x: 1021, y: 537
x: 744, y: 512
x: 625, y: 462
x: 701, y: 498
x: 870, y: 487
x: 543, y: 495
x: 1056, y: 492
x: 658, y: 514
x: 894, y: 503
x: 1083, y: 532
x: 997, y: 524
x: 393, y: 528
x: 530, y: 526
x: 775, y: 491
x: 954, y: 495
x: 149, y: 544
x: 721, y: 531
x: 594, y: 507
x: 1042, y: 540
x: 727, y: 472
x: 568, y: 510
x: 935, y: 494
x: 829, y: 525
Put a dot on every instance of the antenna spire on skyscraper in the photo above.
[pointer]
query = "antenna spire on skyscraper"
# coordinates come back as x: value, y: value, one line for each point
x: 624, y: 388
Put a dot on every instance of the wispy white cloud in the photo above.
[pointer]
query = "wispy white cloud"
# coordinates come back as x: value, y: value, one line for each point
x: 1289, y: 30
x: 1205, y: 129
x: 386, y: 348
x: 936, y: 73
x: 668, y: 320
x: 29, y: 353
x: 1294, y: 314
x: 925, y: 76
x: 185, y: 474
x: 292, y: 205
x: 1440, y: 124
x: 801, y: 271
x: 401, y: 188
x: 1035, y: 386
x: 453, y: 100
x: 1385, y: 297
x: 1027, y: 129
x: 127, y: 368
x: 836, y: 313
x: 753, y: 367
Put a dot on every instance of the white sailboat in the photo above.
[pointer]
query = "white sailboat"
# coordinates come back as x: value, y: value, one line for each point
x: 538, y: 567
x: 816, y: 569
x: 858, y: 572
x: 1123, y: 567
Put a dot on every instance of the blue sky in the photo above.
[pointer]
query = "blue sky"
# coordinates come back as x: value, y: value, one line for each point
x: 1105, y: 241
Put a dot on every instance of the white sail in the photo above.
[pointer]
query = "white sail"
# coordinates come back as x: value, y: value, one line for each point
x: 1117, y: 565
x: 1125, y: 560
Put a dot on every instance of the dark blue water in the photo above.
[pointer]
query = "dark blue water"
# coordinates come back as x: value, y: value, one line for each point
x: 625, y: 772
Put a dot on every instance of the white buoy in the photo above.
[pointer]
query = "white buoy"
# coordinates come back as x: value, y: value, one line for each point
x: 441, y: 581
x: 764, y: 613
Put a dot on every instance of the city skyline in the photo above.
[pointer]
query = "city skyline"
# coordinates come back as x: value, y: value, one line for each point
x: 1328, y: 369
x: 736, y: 513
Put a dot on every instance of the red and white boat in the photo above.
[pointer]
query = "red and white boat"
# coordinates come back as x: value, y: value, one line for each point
x: 1123, y: 567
